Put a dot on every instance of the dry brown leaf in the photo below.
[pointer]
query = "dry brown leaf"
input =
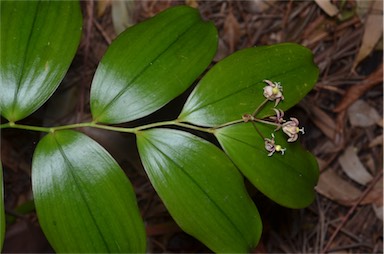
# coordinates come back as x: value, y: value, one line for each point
x: 192, y: 3
x: 321, y: 119
x: 352, y: 166
x: 332, y: 186
x: 376, y: 141
x: 356, y: 91
x: 122, y: 14
x: 361, y: 114
x: 257, y: 6
x: 232, y: 31
x: 373, y: 31
x: 378, y: 211
x: 101, y: 7
x: 327, y: 7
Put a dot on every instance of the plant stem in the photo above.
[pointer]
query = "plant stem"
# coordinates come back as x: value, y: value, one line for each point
x: 24, y: 127
x: 104, y: 127
x: 267, y: 122
x: 257, y: 110
x: 229, y: 123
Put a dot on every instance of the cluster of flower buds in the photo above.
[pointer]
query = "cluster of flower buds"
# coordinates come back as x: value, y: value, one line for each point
x: 273, y: 91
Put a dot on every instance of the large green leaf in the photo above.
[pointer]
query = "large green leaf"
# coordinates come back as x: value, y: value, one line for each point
x: 287, y: 179
x: 38, y: 41
x: 201, y: 188
x: 83, y: 199
x: 234, y: 86
x: 2, y: 214
x: 150, y: 64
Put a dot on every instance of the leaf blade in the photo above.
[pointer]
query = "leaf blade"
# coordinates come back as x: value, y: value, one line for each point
x: 234, y: 86
x: 38, y: 42
x: 287, y: 179
x: 201, y: 189
x: 83, y: 200
x: 150, y: 64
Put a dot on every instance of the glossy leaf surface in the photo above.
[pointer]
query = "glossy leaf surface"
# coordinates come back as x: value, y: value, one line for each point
x: 201, y: 188
x: 150, y: 64
x: 234, y: 86
x: 38, y: 41
x: 287, y: 179
x: 83, y: 199
x: 2, y: 214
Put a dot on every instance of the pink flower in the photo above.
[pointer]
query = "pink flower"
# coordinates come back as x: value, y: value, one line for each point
x: 291, y: 128
x: 271, y: 146
x: 273, y: 91
x: 278, y: 118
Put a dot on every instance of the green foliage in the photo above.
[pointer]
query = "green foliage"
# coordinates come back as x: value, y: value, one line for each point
x: 286, y: 179
x: 38, y: 43
x: 201, y: 188
x: 137, y: 65
x: 84, y: 201
x: 232, y: 87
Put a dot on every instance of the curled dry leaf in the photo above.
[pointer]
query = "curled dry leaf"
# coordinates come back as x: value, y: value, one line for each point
x: 327, y: 7
x: 376, y: 141
x: 232, y: 31
x: 361, y: 114
x: 321, y: 119
x: 352, y: 166
x: 373, y: 31
x: 334, y: 187
x: 122, y: 15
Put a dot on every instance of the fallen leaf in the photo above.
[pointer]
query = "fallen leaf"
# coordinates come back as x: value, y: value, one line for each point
x: 101, y: 7
x: 192, y: 3
x: 327, y: 7
x: 232, y: 31
x: 321, y: 119
x: 378, y: 211
x: 376, y: 141
x: 356, y: 91
x: 361, y: 114
x: 373, y: 31
x: 332, y: 186
x: 352, y: 166
x: 257, y: 6
x: 122, y: 14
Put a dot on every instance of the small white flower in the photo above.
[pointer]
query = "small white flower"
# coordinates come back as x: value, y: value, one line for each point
x: 291, y: 128
x: 273, y: 91
x: 271, y: 146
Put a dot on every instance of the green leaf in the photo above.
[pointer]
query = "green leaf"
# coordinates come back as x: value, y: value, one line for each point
x: 287, y: 179
x: 150, y: 64
x: 2, y: 214
x: 83, y: 199
x: 234, y: 86
x: 38, y: 41
x: 201, y: 188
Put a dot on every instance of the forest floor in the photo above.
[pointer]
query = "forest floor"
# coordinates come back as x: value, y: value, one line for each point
x: 342, y: 115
